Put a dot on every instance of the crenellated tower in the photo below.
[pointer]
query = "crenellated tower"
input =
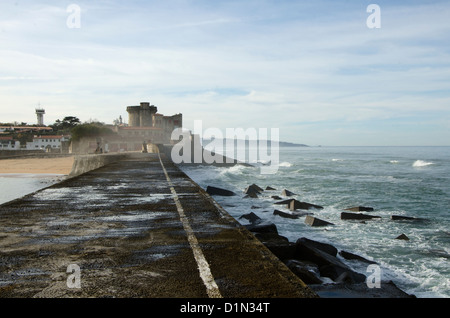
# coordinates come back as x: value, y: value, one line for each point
x: 141, y: 116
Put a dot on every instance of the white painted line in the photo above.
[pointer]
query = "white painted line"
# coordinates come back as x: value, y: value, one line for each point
x: 205, y: 272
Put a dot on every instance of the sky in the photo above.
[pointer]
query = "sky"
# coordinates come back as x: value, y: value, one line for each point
x: 319, y: 71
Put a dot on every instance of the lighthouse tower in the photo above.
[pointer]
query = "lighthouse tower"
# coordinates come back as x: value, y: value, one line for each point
x: 40, y: 116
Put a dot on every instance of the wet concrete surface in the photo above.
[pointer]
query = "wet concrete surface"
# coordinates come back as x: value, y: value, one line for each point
x: 121, y: 226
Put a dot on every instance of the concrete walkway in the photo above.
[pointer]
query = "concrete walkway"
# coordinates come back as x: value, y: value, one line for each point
x: 134, y: 228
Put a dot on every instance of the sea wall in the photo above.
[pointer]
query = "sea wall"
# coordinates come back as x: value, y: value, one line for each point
x: 86, y: 163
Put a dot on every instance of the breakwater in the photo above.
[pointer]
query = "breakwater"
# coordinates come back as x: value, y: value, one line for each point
x: 86, y: 163
x: 133, y: 228
x: 316, y: 263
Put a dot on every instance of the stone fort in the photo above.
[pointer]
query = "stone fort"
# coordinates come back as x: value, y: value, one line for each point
x: 145, y: 123
x: 145, y: 126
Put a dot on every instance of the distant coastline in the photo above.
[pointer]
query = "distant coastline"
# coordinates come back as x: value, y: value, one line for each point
x: 247, y: 142
x: 290, y: 144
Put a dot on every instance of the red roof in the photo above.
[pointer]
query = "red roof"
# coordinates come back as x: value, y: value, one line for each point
x: 48, y: 137
x: 27, y: 127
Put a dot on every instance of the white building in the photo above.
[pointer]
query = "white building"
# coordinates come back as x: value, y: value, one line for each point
x: 46, y: 142
x: 8, y: 143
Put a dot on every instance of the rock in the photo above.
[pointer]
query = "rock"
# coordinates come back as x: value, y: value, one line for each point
x: 345, y: 277
x: 359, y: 290
x: 262, y: 227
x: 218, y: 191
x: 259, y: 189
x: 284, y: 202
x: 277, y: 244
x: 405, y: 218
x: 253, y: 189
x: 270, y: 188
x: 276, y: 197
x: 271, y: 238
x: 285, y: 215
x: 324, y: 247
x: 357, y: 216
x: 294, y: 205
x: 287, y: 193
x: 350, y: 256
x: 341, y: 274
x: 307, y: 272
x: 313, y: 221
x: 283, y: 249
x: 251, y: 217
x: 402, y: 237
x: 329, y: 265
x: 359, y: 209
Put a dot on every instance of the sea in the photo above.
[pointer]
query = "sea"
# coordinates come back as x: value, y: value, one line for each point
x: 406, y: 181
x: 16, y: 185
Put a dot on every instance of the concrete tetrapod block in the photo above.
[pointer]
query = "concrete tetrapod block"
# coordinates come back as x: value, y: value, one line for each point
x: 286, y: 215
x: 288, y: 201
x: 405, y: 218
x: 360, y: 209
x: 329, y: 265
x: 324, y: 247
x: 219, y: 191
x: 358, y: 216
x: 256, y: 188
x: 402, y: 237
x: 251, y: 217
x: 295, y: 204
x: 313, y: 221
x: 287, y: 193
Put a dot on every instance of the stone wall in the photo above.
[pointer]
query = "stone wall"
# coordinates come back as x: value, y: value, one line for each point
x: 86, y: 163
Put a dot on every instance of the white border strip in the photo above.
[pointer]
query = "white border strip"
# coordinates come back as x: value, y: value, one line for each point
x: 205, y: 272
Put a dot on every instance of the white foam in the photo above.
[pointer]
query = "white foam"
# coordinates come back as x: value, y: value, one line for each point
x: 422, y: 163
x: 236, y: 169
x: 285, y: 164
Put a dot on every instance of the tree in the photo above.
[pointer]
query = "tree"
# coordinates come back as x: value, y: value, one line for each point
x: 90, y: 130
x: 66, y: 124
x: 70, y: 122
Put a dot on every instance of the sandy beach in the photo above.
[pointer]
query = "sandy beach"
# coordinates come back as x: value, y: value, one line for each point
x: 58, y: 165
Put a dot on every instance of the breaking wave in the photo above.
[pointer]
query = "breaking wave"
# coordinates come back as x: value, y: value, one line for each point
x: 421, y: 163
x: 285, y: 164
